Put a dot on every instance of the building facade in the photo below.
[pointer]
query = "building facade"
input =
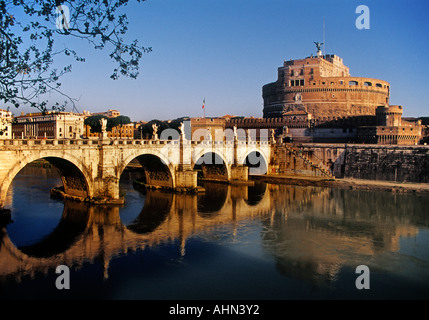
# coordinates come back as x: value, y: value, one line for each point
x: 206, y: 128
x: 126, y: 131
x: 391, y: 128
x: 49, y: 125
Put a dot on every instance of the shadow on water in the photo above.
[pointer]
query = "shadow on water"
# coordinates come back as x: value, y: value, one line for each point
x: 213, y: 199
x: 73, y: 223
x: 156, y: 209
x: 256, y: 193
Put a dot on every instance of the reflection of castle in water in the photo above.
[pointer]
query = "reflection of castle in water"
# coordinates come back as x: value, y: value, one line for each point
x: 312, y: 232
x: 341, y: 228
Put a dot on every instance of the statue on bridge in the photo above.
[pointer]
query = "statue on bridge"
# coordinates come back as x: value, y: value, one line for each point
x: 208, y: 135
x: 103, y: 134
x: 182, y: 130
x: 273, y: 135
x: 103, y: 122
x: 155, y: 131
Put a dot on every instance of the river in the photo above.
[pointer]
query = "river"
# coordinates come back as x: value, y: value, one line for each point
x: 267, y: 242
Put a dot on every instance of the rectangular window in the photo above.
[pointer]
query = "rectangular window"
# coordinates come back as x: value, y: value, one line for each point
x: 301, y: 82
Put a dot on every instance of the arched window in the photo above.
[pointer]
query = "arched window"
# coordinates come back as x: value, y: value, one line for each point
x: 353, y: 83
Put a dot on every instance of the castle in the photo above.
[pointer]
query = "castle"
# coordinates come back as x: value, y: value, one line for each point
x: 315, y: 99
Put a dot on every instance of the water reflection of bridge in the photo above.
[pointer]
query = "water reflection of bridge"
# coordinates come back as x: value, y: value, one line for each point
x: 88, y: 233
x: 312, y: 232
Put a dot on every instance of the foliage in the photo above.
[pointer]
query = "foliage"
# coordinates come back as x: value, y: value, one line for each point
x: 29, y: 31
x: 147, y: 130
x: 94, y: 122
x: 425, y: 121
x: 118, y: 121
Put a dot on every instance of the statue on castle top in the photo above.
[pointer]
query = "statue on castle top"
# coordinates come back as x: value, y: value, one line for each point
x: 318, y: 45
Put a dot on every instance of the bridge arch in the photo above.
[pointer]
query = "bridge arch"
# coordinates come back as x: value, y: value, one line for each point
x: 256, y: 160
x: 156, y: 167
x: 213, y: 164
x: 74, y: 174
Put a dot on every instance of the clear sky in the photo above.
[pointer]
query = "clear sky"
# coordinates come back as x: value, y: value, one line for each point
x: 224, y: 51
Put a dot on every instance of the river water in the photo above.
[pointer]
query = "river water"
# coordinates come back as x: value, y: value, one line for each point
x: 267, y: 242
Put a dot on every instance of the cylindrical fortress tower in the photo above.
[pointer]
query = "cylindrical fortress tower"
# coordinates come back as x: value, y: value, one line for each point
x: 389, y: 116
x: 323, y: 87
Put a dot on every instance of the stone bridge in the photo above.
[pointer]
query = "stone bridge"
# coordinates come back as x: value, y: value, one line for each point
x: 91, y: 169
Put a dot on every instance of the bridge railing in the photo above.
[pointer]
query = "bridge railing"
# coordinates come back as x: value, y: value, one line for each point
x: 41, y: 142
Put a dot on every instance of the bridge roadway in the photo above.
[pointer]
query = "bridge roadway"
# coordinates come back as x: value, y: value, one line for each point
x: 91, y: 169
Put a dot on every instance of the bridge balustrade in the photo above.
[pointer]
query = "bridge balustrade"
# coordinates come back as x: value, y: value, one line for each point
x: 30, y: 142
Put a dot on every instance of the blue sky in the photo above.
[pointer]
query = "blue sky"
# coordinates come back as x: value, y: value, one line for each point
x: 226, y: 50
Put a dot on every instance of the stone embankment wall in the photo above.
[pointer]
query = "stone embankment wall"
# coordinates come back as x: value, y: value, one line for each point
x: 372, y: 162
x: 410, y: 164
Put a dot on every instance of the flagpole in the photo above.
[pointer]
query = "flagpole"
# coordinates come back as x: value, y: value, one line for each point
x: 204, y: 107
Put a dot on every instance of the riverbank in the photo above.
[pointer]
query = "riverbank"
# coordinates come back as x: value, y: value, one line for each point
x: 396, y: 187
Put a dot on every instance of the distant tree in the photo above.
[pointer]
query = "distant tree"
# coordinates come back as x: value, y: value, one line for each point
x: 175, y: 124
x: 94, y: 122
x: 425, y: 121
x: 29, y: 31
x: 147, y: 130
x: 118, y: 121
